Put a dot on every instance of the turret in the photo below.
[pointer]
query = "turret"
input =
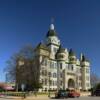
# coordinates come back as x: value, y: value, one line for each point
x: 84, y: 61
x: 72, y: 57
x: 52, y: 41
x: 85, y: 65
x: 42, y: 49
x: 51, y: 37
x: 61, y: 54
x: 61, y: 58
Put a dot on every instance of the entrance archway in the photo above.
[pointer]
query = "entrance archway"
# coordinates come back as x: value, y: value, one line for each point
x: 71, y: 84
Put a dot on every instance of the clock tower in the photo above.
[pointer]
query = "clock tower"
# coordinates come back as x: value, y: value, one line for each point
x: 52, y: 40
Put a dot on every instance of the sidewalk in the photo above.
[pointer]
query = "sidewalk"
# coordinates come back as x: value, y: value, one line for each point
x: 39, y: 97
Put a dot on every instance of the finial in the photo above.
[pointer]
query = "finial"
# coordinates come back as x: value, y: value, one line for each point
x: 52, y: 25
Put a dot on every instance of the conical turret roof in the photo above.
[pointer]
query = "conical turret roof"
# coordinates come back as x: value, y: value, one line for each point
x: 61, y: 50
x: 42, y: 46
x: 84, y: 58
x: 71, y: 52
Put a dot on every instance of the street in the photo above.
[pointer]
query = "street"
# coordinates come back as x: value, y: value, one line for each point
x: 81, y: 98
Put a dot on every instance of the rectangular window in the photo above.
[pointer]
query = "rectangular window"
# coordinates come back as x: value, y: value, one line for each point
x: 70, y: 67
x: 87, y: 78
x: 66, y: 66
x: 80, y: 84
x: 80, y: 77
x: 49, y: 74
x: 60, y: 82
x: 55, y: 65
x: 60, y: 65
x: 51, y: 82
x: 61, y: 75
x: 52, y: 65
x: 87, y: 70
x: 87, y: 84
x: 45, y: 81
x: 42, y: 81
x: 55, y: 75
x: 55, y: 83
x: 55, y: 50
x: 45, y: 62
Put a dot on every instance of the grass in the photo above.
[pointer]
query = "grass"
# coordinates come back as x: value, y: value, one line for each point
x: 22, y: 93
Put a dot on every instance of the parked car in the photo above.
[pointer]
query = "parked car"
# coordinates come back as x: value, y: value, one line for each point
x: 96, y: 92
x: 73, y: 94
x: 62, y: 94
x: 1, y: 95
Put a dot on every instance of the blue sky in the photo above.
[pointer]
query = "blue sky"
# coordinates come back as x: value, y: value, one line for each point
x: 77, y: 23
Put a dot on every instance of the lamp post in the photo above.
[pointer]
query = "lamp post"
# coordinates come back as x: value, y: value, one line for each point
x: 49, y: 84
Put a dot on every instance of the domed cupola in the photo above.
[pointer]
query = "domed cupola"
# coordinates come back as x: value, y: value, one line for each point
x: 61, y: 55
x: 72, y: 56
x: 51, y: 31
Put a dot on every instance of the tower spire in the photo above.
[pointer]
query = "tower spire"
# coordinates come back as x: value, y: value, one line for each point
x: 52, y: 20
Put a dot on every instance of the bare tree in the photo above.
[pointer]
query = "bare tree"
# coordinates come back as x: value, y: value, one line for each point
x: 24, y: 67
x: 94, y: 79
x: 20, y: 67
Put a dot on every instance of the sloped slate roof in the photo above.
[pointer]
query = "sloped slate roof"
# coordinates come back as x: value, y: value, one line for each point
x: 42, y: 46
x: 61, y: 50
x: 51, y: 33
x: 71, y: 53
x: 84, y: 58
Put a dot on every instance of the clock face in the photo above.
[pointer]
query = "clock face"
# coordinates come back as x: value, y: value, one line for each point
x: 54, y: 41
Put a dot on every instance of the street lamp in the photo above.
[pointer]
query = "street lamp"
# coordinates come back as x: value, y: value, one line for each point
x: 49, y: 74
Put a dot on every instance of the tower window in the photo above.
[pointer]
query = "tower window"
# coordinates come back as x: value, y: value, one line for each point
x: 52, y: 64
x: 87, y: 84
x: 54, y: 75
x: 71, y: 67
x: 55, y: 50
x: 61, y: 75
x: 55, y: 65
x: 87, y: 78
x: 87, y: 70
x: 60, y: 65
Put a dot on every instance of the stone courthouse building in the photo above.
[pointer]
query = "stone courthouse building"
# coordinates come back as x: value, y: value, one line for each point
x: 59, y: 67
